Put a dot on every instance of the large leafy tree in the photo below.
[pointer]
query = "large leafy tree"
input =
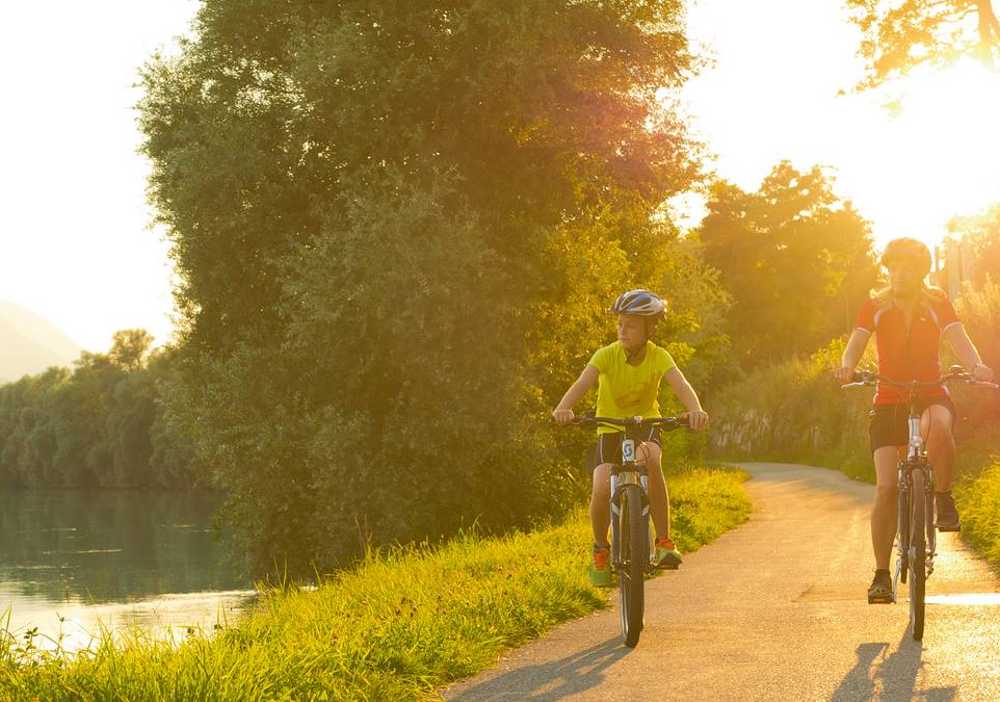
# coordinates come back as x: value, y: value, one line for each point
x: 902, y: 34
x: 796, y: 259
x: 371, y: 205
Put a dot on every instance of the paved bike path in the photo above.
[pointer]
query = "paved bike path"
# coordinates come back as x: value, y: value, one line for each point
x: 775, y: 610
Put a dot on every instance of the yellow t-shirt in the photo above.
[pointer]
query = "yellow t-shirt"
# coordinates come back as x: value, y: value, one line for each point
x: 624, y: 390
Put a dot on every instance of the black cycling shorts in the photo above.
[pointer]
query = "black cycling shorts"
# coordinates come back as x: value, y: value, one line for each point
x: 888, y: 422
x: 609, y: 446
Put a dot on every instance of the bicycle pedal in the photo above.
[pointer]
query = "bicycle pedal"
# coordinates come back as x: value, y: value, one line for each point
x: 949, y: 528
x: 881, y: 600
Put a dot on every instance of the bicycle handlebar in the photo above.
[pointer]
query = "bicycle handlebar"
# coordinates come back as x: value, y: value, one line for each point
x: 666, y: 423
x: 863, y: 378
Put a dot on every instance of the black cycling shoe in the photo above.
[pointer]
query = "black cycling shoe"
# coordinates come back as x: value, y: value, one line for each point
x: 947, y: 513
x: 880, y: 591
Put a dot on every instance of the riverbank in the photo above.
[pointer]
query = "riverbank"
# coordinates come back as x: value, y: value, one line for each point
x: 400, y: 625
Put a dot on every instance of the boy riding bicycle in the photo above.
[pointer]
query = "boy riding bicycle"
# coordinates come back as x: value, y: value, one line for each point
x: 909, y: 320
x: 628, y: 374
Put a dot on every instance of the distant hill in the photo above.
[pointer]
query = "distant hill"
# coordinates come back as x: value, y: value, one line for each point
x: 30, y: 344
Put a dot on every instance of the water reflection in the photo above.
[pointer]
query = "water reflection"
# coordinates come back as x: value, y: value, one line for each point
x: 81, y: 555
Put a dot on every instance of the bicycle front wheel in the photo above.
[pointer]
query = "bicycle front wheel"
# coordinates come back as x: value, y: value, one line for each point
x: 918, y: 553
x: 634, y: 557
x: 904, y: 517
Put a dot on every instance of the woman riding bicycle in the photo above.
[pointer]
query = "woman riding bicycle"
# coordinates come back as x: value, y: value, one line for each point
x: 628, y: 374
x: 909, y: 320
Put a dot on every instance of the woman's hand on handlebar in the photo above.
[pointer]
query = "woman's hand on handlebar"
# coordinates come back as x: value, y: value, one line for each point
x: 983, y: 373
x: 697, y: 419
x: 844, y: 375
x: 563, y: 416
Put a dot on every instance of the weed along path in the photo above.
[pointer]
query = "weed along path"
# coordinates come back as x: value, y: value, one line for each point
x: 775, y: 610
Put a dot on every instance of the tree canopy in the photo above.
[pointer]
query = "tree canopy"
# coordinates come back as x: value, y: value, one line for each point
x: 902, y: 34
x: 796, y: 259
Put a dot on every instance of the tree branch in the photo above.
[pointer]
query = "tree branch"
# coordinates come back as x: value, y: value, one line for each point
x: 989, y: 25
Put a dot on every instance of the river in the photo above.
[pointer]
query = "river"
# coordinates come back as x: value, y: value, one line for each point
x: 72, y: 563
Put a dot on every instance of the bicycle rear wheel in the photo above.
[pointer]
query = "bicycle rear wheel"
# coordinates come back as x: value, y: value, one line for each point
x: 634, y: 557
x: 918, y: 552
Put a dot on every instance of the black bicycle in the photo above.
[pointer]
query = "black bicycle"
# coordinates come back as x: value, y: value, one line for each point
x: 916, y: 536
x: 633, y: 548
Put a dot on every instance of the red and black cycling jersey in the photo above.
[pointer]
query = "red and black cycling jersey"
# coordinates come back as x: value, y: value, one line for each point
x: 908, y: 353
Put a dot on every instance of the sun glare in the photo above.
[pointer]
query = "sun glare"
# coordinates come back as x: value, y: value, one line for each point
x: 910, y: 156
x: 934, y: 154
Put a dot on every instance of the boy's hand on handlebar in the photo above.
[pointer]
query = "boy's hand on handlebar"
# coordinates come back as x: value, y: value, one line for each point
x: 563, y: 416
x: 697, y: 419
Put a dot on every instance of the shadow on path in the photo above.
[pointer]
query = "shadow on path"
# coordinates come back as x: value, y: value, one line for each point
x: 875, y: 676
x: 551, y: 681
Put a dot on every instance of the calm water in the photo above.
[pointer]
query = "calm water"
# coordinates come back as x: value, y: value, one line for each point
x: 72, y: 562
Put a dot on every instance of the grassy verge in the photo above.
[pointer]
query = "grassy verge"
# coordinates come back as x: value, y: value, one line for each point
x: 397, y: 627
x: 978, y: 500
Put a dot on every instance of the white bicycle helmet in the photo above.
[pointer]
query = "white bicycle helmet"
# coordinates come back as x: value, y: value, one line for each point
x: 641, y: 303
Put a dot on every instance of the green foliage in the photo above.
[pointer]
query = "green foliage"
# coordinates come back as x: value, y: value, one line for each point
x: 403, y: 623
x: 902, y: 34
x: 97, y: 425
x: 795, y: 411
x: 378, y: 213
x: 796, y: 260
x: 978, y: 500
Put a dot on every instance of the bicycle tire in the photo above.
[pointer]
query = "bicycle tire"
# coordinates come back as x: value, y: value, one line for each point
x: 631, y: 585
x: 918, y: 553
x: 903, y: 529
x: 930, y: 526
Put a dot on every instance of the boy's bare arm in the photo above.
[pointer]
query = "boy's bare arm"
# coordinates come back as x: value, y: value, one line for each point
x: 697, y: 417
x: 563, y: 412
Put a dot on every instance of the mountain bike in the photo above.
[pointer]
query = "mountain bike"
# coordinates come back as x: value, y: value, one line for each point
x: 633, y: 547
x: 916, y: 537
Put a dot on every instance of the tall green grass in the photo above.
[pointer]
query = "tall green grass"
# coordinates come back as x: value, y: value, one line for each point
x: 400, y: 625
x: 978, y: 500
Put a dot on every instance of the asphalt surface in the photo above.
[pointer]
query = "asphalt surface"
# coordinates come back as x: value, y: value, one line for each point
x: 775, y: 610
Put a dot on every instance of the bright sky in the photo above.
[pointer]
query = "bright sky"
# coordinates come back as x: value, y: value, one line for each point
x: 773, y: 94
x: 74, y: 222
x: 76, y: 248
